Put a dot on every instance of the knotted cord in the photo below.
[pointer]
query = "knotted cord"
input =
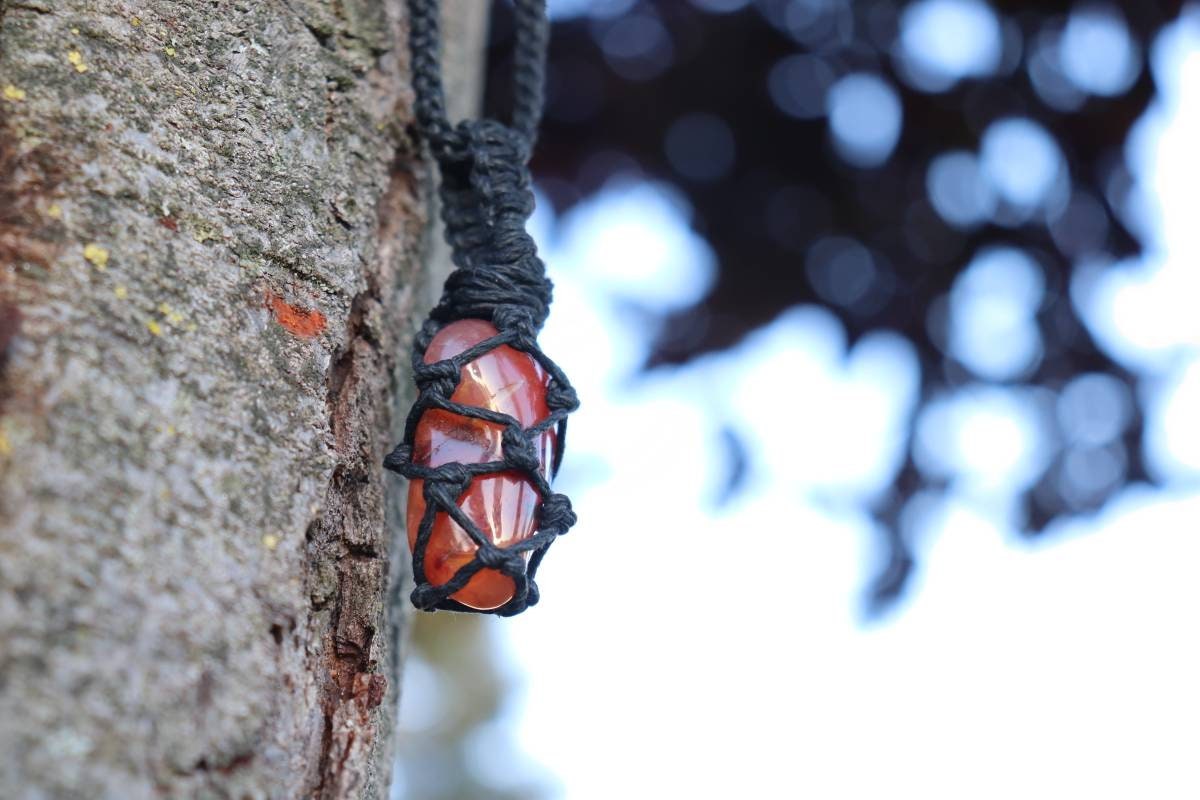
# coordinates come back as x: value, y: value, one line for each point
x: 486, y: 200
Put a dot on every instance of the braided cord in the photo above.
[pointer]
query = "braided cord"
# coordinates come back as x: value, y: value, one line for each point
x: 529, y: 73
x: 425, y: 50
x: 529, y: 67
x: 486, y: 198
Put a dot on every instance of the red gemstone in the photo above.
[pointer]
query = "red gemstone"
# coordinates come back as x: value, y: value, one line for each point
x: 503, y: 505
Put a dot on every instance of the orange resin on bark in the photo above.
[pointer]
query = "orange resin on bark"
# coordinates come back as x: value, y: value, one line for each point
x: 503, y: 505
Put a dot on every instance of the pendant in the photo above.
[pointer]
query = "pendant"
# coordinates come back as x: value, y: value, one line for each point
x: 504, y: 505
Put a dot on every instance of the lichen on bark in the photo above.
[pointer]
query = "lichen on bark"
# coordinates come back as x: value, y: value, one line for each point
x: 211, y: 225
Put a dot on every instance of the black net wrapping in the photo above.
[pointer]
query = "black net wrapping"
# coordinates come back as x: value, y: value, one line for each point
x: 486, y: 201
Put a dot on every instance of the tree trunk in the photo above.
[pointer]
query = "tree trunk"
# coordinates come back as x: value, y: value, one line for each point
x: 211, y: 225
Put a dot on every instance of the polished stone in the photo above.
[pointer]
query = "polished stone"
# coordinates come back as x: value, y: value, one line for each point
x: 503, y: 505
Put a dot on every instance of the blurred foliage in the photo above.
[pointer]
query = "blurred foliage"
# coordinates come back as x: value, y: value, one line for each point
x: 730, y: 101
x: 454, y: 742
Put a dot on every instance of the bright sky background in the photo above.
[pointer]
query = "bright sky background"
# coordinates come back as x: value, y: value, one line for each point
x: 683, y: 650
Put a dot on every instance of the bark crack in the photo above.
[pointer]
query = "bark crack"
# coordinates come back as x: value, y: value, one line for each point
x: 350, y: 535
x: 36, y: 9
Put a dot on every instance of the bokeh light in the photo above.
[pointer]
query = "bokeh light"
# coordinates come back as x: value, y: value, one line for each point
x: 1097, y: 53
x: 799, y: 84
x: 1023, y: 162
x: 992, y: 314
x: 984, y: 438
x: 943, y: 41
x: 1094, y: 409
x: 637, y: 46
x: 958, y: 190
x: 864, y: 118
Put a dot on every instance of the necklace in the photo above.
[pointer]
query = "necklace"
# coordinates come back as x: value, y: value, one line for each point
x: 487, y: 430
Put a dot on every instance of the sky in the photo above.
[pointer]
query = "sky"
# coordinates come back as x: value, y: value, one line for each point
x: 685, y: 648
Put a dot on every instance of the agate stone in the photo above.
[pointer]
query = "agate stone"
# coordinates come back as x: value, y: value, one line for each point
x: 503, y: 505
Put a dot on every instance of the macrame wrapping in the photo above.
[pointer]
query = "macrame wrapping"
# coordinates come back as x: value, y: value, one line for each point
x: 486, y: 201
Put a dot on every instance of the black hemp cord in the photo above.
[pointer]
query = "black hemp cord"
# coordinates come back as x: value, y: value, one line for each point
x: 486, y: 200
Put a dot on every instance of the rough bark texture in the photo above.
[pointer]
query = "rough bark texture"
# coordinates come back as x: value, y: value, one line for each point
x: 211, y: 224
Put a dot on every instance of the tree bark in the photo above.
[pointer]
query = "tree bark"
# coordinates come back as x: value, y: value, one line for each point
x: 212, y: 218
